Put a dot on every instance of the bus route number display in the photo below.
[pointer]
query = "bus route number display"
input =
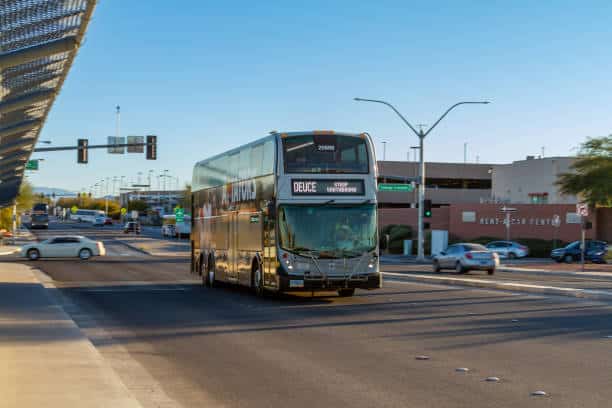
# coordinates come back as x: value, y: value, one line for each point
x: 327, y: 187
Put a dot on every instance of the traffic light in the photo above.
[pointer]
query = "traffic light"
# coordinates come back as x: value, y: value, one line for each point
x: 427, y: 208
x: 82, y: 153
x: 151, y: 147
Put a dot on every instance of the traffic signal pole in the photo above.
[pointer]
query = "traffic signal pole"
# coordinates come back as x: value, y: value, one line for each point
x: 421, y: 229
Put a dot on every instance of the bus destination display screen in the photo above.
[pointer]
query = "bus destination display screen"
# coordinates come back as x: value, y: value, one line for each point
x: 327, y: 187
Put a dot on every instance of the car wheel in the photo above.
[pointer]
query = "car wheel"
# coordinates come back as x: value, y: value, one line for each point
x: 85, y: 254
x: 490, y: 271
x: 436, y: 266
x: 257, y: 281
x: 346, y: 292
x: 33, y: 255
x: 459, y: 268
x: 568, y: 258
x: 511, y: 255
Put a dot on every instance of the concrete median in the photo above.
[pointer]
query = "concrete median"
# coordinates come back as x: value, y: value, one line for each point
x: 507, y: 286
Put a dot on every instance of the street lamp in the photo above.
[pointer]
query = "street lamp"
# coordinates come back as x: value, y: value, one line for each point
x: 421, y: 135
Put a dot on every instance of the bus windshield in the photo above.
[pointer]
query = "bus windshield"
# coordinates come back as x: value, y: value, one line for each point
x: 325, y: 154
x: 328, y: 231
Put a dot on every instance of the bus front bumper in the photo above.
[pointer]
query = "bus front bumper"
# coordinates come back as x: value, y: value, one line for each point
x: 289, y: 283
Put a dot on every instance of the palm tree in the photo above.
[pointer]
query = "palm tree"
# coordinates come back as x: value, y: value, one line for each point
x: 592, y: 173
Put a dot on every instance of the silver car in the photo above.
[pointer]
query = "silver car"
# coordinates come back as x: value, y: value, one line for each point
x: 508, y: 249
x: 464, y: 257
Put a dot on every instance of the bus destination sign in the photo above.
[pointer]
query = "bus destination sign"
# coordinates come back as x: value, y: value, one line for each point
x: 327, y: 187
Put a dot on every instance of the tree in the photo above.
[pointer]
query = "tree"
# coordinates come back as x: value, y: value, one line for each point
x: 592, y: 173
x: 139, y: 205
x: 25, y: 200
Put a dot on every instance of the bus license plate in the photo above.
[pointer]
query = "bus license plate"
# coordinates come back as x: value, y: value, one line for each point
x: 296, y: 283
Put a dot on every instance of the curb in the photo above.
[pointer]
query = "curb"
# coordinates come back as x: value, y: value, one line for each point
x: 540, y: 272
x: 506, y: 286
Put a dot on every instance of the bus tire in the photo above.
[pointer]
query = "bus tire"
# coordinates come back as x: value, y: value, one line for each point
x: 257, y: 279
x: 348, y: 292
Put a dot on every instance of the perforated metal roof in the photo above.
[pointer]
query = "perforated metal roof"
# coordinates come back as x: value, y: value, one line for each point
x: 38, y: 42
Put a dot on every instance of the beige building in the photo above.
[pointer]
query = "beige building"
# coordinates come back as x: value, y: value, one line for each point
x: 531, y: 181
x: 447, y: 183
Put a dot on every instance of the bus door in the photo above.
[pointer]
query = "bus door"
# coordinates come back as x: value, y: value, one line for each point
x: 269, y: 247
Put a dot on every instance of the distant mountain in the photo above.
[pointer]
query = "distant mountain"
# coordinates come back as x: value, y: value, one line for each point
x: 59, y: 192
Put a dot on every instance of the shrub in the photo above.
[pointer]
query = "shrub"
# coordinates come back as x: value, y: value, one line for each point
x: 397, y: 234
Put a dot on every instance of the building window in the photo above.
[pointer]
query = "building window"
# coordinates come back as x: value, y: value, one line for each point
x: 468, y: 216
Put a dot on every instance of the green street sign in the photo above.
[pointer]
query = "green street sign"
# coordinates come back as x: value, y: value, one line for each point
x: 407, y: 188
x: 32, y: 165
x: 179, y: 214
x: 74, y: 209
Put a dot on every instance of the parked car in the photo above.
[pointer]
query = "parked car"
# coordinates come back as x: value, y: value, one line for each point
x: 131, y: 226
x: 595, y: 252
x: 64, y: 247
x: 99, y: 221
x: 108, y: 221
x: 168, y: 230
x: 508, y: 249
x: 464, y: 257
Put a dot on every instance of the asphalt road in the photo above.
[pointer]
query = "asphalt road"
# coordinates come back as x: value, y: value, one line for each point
x: 225, y: 347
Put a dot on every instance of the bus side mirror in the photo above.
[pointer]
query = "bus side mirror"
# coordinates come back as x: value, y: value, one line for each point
x: 271, y: 207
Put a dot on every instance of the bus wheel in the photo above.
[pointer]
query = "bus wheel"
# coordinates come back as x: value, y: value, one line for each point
x: 346, y: 292
x: 257, y: 280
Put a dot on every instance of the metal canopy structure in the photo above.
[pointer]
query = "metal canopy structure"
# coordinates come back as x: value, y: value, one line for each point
x: 39, y: 40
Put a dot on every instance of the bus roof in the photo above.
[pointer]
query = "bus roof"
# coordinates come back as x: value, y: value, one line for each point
x: 281, y: 135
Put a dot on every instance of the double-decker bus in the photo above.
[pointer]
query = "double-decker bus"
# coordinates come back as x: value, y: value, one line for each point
x: 39, y: 217
x: 288, y: 212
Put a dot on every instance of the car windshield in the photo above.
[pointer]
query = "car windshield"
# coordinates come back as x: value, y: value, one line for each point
x: 330, y: 231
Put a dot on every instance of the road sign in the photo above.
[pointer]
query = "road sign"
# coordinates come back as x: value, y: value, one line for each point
x: 32, y: 165
x: 396, y: 187
x: 123, y: 211
x: 134, y: 214
x: 179, y: 214
x: 135, y: 140
x: 556, y: 221
x: 113, y: 140
x: 582, y: 209
x: 74, y: 209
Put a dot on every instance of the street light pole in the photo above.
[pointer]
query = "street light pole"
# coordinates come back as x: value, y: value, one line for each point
x: 421, y: 135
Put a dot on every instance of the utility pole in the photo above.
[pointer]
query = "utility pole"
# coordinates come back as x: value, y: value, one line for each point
x: 465, y: 153
x: 421, y: 135
x: 384, y: 150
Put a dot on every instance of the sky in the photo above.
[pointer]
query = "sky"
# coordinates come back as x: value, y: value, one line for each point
x: 208, y: 76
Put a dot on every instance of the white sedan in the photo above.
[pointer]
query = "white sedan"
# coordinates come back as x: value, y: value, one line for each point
x: 64, y: 247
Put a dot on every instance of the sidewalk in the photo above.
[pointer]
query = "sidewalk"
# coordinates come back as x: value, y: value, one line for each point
x: 46, y: 360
